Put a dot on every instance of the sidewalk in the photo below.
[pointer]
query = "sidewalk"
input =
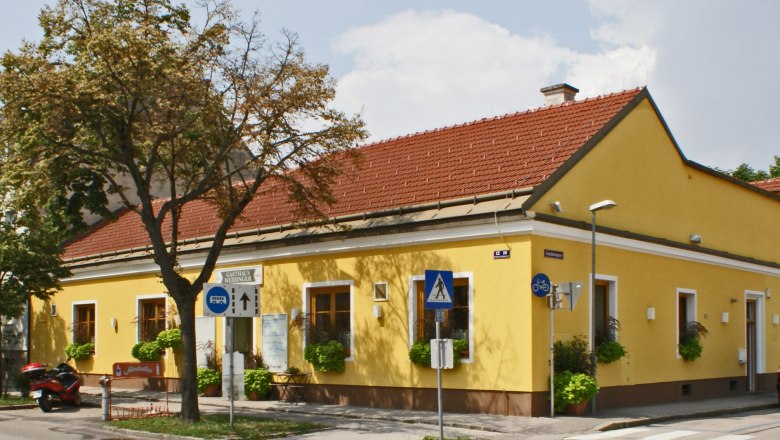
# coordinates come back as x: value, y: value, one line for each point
x: 488, y: 423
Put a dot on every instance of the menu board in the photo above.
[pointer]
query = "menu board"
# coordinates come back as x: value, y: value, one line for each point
x: 274, y: 347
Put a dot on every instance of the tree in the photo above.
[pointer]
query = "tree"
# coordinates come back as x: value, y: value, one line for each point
x: 774, y: 169
x: 30, y: 265
x: 746, y: 173
x: 131, y: 90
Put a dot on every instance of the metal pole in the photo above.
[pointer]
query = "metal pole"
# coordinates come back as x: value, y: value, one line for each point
x: 550, y: 303
x: 231, y: 322
x: 592, y: 296
x: 438, y: 379
x: 105, y: 402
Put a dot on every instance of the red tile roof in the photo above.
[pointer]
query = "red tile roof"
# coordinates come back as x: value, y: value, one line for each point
x: 771, y: 185
x: 514, y: 151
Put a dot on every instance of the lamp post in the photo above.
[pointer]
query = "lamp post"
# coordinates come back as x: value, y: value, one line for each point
x: 604, y: 204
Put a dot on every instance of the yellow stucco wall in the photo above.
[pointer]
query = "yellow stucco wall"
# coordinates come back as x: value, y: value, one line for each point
x: 658, y: 195
x: 501, y: 322
x: 637, y: 166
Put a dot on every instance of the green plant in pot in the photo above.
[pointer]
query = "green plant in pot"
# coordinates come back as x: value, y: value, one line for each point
x: 209, y: 381
x: 169, y: 339
x: 146, y: 351
x: 326, y: 356
x: 78, y: 351
x: 257, y: 383
x: 572, y: 355
x: 574, y: 389
x: 690, y: 345
x: 608, y: 349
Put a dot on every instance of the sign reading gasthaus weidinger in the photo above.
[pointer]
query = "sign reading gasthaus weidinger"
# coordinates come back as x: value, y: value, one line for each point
x: 241, y: 275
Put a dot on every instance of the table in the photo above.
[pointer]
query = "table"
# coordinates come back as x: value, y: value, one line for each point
x: 292, y: 387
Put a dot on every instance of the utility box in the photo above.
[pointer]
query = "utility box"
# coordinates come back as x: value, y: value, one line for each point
x: 742, y: 356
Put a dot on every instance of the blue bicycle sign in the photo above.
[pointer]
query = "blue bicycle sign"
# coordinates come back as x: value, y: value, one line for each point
x: 540, y: 285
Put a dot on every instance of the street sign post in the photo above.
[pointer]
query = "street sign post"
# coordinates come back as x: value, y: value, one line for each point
x: 231, y: 301
x: 438, y: 296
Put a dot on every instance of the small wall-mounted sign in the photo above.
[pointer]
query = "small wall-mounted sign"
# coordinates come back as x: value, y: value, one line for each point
x: 553, y: 254
x: 502, y: 254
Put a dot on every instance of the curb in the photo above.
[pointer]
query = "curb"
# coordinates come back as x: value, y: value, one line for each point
x: 610, y: 426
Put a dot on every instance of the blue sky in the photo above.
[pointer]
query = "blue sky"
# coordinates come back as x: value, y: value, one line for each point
x: 711, y: 66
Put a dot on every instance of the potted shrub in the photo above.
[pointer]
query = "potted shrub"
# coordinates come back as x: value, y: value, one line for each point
x: 326, y: 356
x: 146, y: 351
x: 78, y: 351
x: 169, y: 339
x: 420, y: 353
x: 690, y: 346
x: 609, y: 351
x: 573, y: 391
x: 209, y: 381
x: 572, y: 355
x: 257, y: 383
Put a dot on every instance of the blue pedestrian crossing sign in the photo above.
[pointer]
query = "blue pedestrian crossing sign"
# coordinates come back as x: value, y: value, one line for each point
x: 438, y: 289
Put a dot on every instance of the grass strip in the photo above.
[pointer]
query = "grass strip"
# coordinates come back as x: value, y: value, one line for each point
x: 217, y: 426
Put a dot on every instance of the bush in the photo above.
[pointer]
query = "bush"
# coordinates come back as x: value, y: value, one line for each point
x: 80, y: 352
x: 690, y: 345
x: 609, y: 351
x: 572, y: 388
x: 169, y: 339
x: 146, y: 351
x: 326, y: 356
x: 208, y: 377
x: 420, y: 353
x: 257, y: 381
x: 572, y: 355
x: 690, y: 349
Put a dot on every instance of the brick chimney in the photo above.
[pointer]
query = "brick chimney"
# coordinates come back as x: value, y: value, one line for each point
x: 558, y: 94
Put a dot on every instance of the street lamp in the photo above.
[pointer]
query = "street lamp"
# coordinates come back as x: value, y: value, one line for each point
x: 598, y: 206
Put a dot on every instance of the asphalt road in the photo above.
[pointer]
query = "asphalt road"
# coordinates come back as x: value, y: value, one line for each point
x: 84, y: 423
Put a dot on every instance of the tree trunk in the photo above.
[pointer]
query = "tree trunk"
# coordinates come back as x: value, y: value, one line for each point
x: 189, y: 383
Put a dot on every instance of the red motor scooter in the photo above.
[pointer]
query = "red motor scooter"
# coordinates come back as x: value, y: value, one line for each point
x: 50, y: 385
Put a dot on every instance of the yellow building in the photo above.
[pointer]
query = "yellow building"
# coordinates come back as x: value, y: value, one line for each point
x: 495, y: 201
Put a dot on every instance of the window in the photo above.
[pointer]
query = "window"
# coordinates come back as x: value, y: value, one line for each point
x: 331, y: 315
x: 84, y: 323
x: 380, y: 291
x: 152, y: 318
x: 605, y: 323
x: 457, y: 321
x: 686, y: 312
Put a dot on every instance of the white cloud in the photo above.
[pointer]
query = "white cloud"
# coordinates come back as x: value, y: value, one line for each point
x: 416, y: 70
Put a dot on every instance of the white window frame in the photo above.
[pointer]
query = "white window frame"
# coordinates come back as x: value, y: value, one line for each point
x: 612, y: 297
x: 139, y: 311
x: 73, y: 320
x: 306, y: 297
x: 412, y: 311
x: 690, y: 299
